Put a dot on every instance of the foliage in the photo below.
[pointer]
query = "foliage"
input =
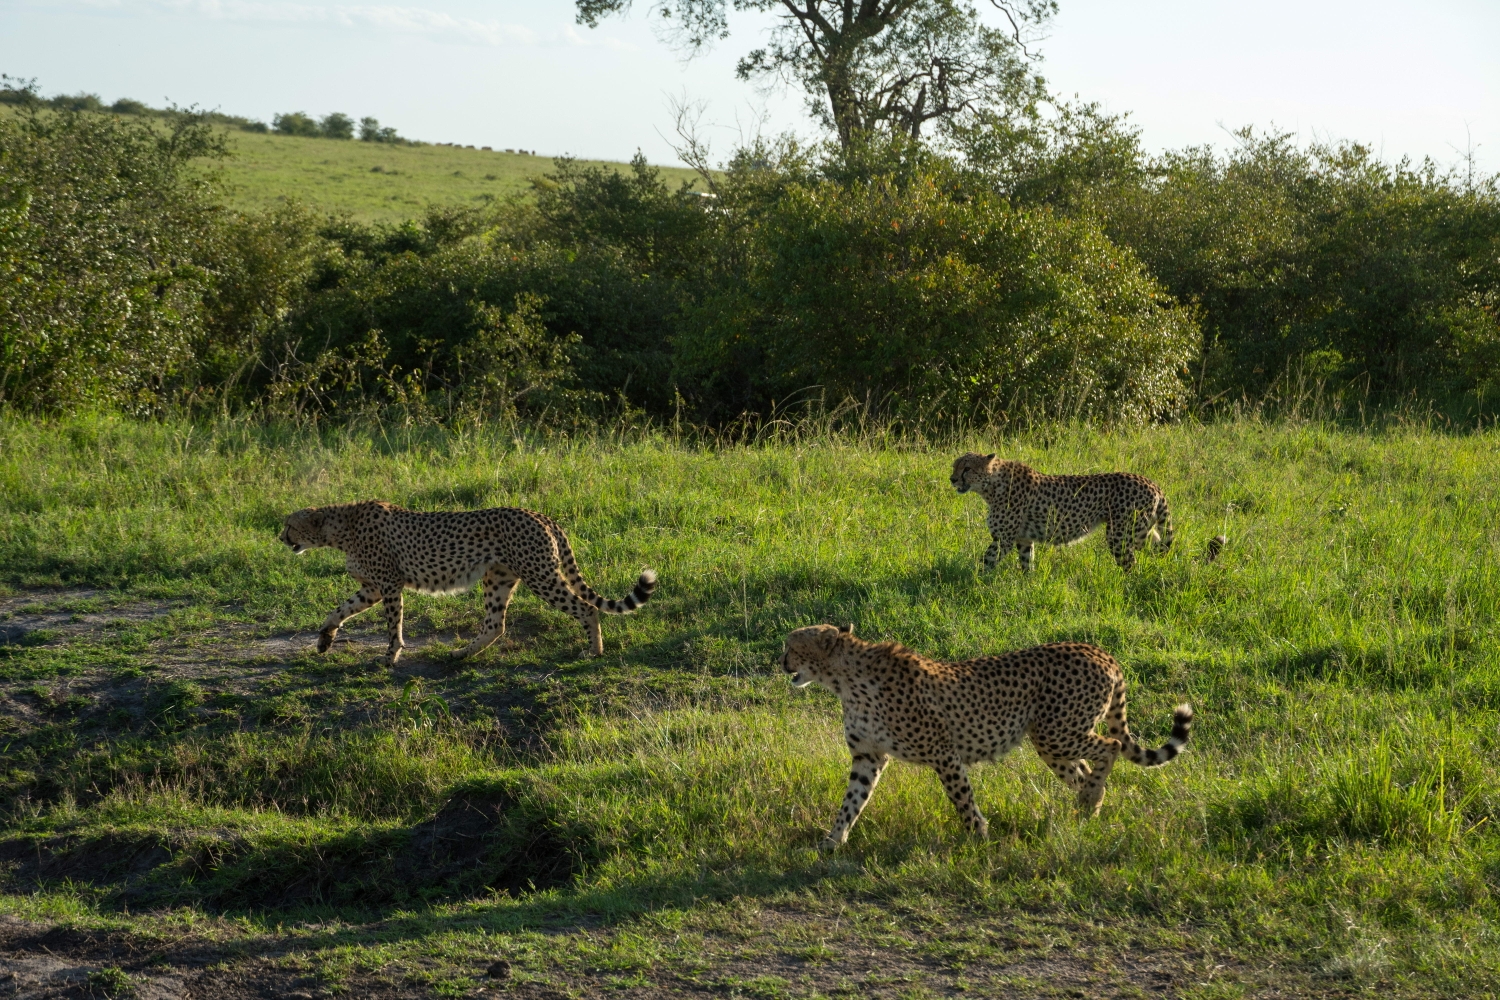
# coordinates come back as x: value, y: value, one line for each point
x: 104, y: 233
x: 24, y: 93
x: 370, y: 130
x: 952, y: 306
x: 336, y: 125
x: 1037, y: 264
x: 295, y: 123
x: 884, y: 66
x: 1324, y: 262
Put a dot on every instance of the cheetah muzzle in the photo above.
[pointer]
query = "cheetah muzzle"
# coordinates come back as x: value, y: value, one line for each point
x: 390, y: 549
x: 949, y: 716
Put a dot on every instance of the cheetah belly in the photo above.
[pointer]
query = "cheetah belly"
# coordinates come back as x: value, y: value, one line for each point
x: 446, y: 581
x: 1058, y: 528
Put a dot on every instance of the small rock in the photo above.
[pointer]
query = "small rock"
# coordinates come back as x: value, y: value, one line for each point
x: 499, y: 969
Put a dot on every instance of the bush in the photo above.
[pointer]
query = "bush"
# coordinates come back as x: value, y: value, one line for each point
x: 436, y: 318
x: 370, y: 130
x: 103, y: 232
x: 1326, y: 263
x: 336, y: 126
x: 941, y: 304
x: 295, y: 123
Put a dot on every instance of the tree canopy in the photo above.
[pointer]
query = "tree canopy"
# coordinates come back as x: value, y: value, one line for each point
x: 872, y: 65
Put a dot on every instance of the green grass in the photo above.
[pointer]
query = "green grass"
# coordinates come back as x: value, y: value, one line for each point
x: 652, y: 817
x: 375, y: 182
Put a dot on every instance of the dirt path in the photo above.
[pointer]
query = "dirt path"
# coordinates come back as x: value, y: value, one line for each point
x: 778, y: 953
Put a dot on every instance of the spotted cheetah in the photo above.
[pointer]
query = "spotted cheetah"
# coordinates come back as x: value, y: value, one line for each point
x: 390, y: 548
x: 951, y: 715
x: 1027, y: 507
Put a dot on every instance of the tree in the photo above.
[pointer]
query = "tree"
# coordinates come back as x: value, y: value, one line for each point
x: 336, y: 126
x: 294, y: 123
x: 370, y: 130
x: 869, y: 65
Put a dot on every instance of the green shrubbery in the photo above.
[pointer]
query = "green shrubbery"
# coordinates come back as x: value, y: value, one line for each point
x: 1050, y: 269
x: 1325, y: 261
x: 108, y: 243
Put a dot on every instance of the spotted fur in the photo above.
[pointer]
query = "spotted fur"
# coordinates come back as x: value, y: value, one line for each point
x: 1027, y: 507
x: 390, y: 549
x: 898, y: 704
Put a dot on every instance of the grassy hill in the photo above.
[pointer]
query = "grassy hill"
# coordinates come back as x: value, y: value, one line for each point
x: 191, y: 797
x: 373, y: 181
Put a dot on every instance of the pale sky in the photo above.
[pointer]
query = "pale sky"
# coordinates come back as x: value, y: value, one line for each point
x: 1410, y: 79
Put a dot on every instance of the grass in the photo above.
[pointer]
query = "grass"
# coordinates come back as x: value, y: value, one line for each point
x: 177, y: 762
x: 374, y: 182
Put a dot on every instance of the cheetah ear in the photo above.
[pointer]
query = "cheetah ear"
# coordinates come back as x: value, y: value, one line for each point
x: 990, y: 457
x: 847, y: 629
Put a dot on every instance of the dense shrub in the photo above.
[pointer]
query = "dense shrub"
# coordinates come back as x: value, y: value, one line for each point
x: 104, y: 231
x: 1324, y: 263
x: 1049, y: 268
x: 453, y: 327
x: 295, y: 123
x: 938, y: 303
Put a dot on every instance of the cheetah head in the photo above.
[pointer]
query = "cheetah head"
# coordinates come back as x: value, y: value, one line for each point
x: 809, y: 649
x: 305, y: 530
x: 968, y: 469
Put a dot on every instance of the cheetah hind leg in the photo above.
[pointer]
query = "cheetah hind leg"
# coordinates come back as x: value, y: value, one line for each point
x: 555, y: 591
x: 498, y: 586
x: 1161, y: 532
x: 955, y: 777
x: 1102, y: 752
x: 393, y: 609
x: 1070, y: 772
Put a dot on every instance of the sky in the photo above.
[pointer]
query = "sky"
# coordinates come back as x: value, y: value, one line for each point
x: 1409, y: 79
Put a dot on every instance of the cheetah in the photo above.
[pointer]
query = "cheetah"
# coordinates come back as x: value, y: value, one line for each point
x: 1027, y: 507
x: 899, y: 704
x: 390, y: 548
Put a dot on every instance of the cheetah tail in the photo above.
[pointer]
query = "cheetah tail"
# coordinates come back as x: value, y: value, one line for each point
x: 1163, y: 526
x: 1215, y: 546
x: 1182, y: 725
x: 645, y: 584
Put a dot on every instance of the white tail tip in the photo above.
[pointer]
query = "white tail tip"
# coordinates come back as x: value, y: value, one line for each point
x: 649, y: 575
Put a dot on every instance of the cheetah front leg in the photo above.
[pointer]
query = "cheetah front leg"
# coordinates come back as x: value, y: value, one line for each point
x: 498, y: 586
x: 393, y: 608
x: 863, y: 776
x: 364, y: 599
x: 956, y: 783
x: 1004, y: 529
x: 1026, y: 552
